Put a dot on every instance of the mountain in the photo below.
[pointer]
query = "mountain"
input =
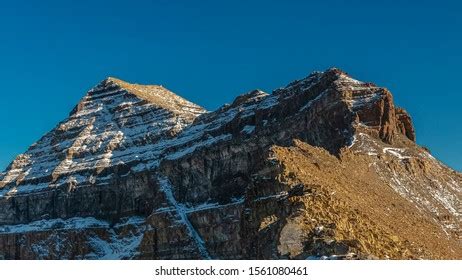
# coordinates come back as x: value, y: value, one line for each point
x: 324, y: 168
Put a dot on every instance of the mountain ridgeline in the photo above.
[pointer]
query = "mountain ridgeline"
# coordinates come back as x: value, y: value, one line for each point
x: 324, y: 168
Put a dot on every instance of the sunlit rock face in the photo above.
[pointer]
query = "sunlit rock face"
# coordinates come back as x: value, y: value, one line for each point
x: 326, y: 167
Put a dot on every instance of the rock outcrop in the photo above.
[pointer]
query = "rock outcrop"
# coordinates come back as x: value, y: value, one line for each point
x: 326, y: 167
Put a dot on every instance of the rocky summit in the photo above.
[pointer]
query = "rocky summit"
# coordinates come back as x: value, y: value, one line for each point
x: 324, y: 168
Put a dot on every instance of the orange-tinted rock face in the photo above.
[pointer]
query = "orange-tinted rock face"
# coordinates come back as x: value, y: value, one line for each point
x: 405, y: 123
x: 321, y: 168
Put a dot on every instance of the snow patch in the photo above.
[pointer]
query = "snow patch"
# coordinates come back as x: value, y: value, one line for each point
x: 248, y: 129
x: 316, y: 99
x: 396, y: 152
x: 269, y: 101
x: 352, y: 141
x: 185, y: 151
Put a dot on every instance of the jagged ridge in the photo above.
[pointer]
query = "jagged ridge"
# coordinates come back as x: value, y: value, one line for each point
x: 122, y: 138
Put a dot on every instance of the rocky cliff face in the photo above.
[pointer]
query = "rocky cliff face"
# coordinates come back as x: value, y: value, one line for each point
x: 326, y: 167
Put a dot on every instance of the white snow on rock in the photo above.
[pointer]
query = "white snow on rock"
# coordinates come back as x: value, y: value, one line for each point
x: 191, y: 149
x: 69, y: 224
x: 352, y: 141
x: 115, y: 245
x: 437, y: 196
x: 397, y: 152
x: 111, y: 125
x: 268, y: 102
x: 201, y: 207
x: 358, y: 101
x: 118, y: 123
x: 23, y: 189
x: 248, y: 129
x: 316, y: 99
x: 181, y: 211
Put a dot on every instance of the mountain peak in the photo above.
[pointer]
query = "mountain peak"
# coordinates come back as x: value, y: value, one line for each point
x: 124, y: 84
x: 110, y: 89
x: 154, y: 94
x: 139, y: 159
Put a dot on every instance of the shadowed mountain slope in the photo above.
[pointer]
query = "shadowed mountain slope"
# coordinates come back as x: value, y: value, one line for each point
x: 326, y: 167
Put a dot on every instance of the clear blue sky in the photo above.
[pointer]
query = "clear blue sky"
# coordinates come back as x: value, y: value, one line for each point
x: 51, y: 52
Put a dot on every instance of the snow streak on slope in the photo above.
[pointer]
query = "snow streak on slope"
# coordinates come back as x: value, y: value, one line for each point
x: 181, y: 210
x: 116, y: 247
x: 120, y: 241
x: 111, y: 126
x: 429, y: 191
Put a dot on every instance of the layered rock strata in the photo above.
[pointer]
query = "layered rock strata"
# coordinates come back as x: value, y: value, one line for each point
x: 326, y: 167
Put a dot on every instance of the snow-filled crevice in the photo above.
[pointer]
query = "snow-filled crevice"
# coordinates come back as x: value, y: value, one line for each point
x: 181, y: 210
